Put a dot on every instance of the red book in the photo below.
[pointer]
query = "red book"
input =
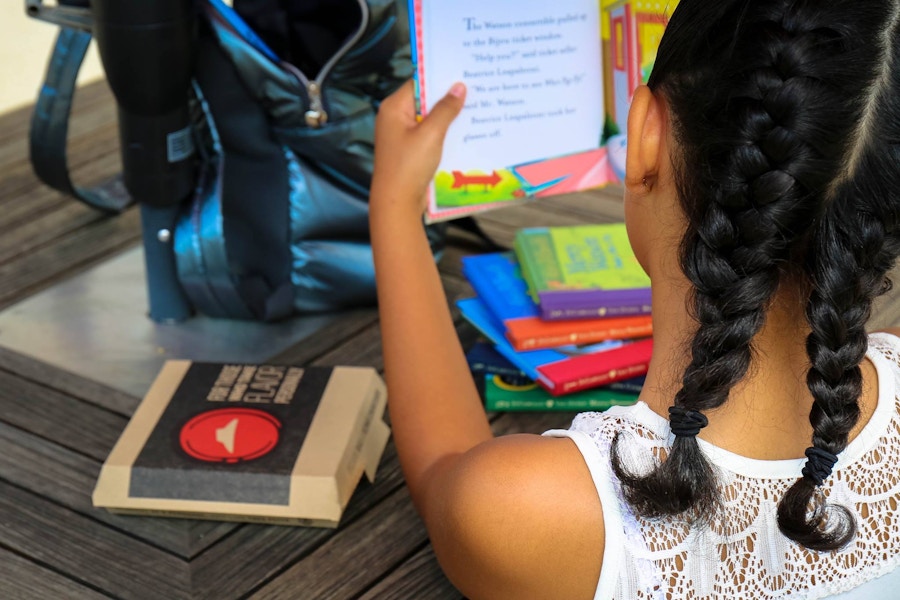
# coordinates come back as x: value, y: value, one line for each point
x: 593, y: 370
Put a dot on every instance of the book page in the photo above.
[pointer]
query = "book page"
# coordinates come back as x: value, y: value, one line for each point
x: 534, y: 77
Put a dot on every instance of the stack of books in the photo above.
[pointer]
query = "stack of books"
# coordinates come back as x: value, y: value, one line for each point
x: 567, y: 319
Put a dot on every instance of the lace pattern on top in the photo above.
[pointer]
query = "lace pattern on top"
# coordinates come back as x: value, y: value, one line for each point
x: 742, y: 554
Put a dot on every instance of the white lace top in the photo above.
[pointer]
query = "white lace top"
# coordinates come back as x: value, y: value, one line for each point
x: 742, y: 554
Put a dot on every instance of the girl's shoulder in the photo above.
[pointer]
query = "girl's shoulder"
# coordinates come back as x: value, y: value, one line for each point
x: 514, y: 512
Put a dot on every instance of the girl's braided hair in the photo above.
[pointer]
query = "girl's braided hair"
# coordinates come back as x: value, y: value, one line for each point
x: 786, y: 115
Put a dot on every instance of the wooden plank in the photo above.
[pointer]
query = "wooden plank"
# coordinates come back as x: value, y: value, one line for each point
x: 83, y: 549
x: 255, y: 554
x: 89, y: 158
x: 330, y: 336
x: 35, y: 199
x: 595, y: 206
x: 21, y: 579
x: 52, y: 415
x: 68, y: 478
x: 451, y: 263
x: 527, y: 215
x: 45, y: 402
x: 419, y: 576
x: 217, y: 571
x: 44, y: 229
x: 605, y: 204
x: 364, y: 349
x: 345, y: 331
x: 93, y: 108
x: 71, y: 255
x: 94, y: 97
x: 71, y: 384
x: 356, y: 558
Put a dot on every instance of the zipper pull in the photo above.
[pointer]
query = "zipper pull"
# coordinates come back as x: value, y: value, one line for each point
x: 316, y: 115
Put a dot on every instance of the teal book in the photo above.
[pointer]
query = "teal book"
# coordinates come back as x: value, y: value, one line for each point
x: 500, y: 394
x: 582, y: 271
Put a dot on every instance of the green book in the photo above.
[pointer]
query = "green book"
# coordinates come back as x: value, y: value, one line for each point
x: 499, y: 395
x: 582, y: 271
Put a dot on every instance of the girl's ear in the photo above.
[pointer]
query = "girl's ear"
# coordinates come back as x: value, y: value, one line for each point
x: 646, y: 128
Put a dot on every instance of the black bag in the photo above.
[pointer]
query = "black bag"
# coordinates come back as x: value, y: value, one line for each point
x: 279, y: 221
x: 282, y: 222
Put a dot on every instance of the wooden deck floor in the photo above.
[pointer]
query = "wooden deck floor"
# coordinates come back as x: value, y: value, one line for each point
x: 56, y: 427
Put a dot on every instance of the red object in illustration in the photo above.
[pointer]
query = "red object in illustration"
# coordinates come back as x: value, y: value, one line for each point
x: 230, y: 435
x: 461, y: 179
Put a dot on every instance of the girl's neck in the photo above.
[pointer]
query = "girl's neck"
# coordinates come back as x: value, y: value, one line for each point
x: 767, y: 414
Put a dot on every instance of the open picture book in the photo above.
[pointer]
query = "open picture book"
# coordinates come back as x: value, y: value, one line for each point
x: 549, y: 86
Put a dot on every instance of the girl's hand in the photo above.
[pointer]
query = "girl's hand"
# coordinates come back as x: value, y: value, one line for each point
x: 407, y: 151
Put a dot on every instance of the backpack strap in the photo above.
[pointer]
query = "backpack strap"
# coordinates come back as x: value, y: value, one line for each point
x: 50, y: 127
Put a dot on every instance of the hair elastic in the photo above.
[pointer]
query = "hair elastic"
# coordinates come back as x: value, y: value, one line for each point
x: 819, y: 464
x: 685, y: 422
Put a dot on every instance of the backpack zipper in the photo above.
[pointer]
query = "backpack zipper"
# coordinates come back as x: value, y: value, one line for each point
x: 316, y: 115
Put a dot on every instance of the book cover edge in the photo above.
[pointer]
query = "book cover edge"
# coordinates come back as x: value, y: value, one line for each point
x: 115, y: 474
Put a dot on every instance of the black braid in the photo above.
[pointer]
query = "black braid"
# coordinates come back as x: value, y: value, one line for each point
x: 837, y: 312
x: 766, y: 106
x: 855, y: 246
x: 740, y: 218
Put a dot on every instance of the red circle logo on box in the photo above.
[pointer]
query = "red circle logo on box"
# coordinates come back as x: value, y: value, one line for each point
x: 230, y: 435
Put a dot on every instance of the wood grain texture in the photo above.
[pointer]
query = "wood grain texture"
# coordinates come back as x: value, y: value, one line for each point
x: 332, y: 335
x: 38, y: 231
x: 353, y: 559
x: 21, y: 579
x: 51, y: 414
x: 71, y: 254
x: 44, y: 468
x: 85, y: 550
x: 255, y: 554
x: 92, y: 110
x: 419, y: 576
x: 70, y: 384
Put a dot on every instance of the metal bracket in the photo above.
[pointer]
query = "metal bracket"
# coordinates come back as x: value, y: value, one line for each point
x: 73, y: 17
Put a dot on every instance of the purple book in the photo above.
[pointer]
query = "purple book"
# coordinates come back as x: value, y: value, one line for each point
x: 584, y: 271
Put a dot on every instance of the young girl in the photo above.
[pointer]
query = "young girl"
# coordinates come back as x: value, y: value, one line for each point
x: 762, y: 197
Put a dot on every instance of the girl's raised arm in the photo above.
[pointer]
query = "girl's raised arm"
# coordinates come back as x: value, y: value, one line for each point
x: 504, y: 515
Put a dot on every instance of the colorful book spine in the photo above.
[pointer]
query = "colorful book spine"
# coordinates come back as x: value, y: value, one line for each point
x: 595, y: 370
x: 582, y: 271
x: 484, y: 359
x: 500, y: 395
x: 497, y: 280
x: 524, y: 336
x: 549, y: 367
